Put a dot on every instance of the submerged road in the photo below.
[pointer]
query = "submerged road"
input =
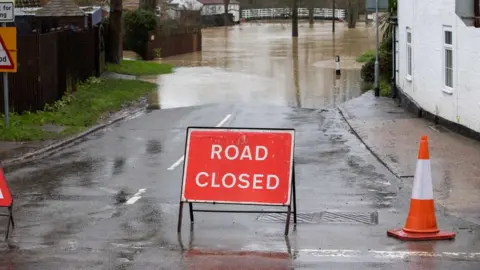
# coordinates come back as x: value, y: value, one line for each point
x: 111, y: 202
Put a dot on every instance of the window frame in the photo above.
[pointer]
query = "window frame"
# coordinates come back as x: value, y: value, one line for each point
x: 409, y: 53
x: 447, y: 47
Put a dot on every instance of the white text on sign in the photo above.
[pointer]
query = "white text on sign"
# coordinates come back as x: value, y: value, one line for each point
x: 244, y: 180
x: 7, y: 13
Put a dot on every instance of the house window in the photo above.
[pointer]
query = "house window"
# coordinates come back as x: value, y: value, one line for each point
x: 409, y: 53
x: 448, y: 57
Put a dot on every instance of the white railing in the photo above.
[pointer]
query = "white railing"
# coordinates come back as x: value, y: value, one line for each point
x: 281, y: 12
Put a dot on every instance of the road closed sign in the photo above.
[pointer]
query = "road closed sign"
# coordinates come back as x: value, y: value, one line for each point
x: 238, y: 166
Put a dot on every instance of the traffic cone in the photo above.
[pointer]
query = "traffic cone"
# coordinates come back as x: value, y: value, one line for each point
x: 421, y: 222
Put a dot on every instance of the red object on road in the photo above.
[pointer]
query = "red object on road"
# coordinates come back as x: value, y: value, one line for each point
x: 238, y: 166
x: 245, y: 260
x: 5, y: 197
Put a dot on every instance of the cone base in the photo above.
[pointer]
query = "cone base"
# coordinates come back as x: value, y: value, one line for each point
x: 403, y: 235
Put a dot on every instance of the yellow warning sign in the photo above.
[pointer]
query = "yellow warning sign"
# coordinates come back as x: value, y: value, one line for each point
x: 8, y: 49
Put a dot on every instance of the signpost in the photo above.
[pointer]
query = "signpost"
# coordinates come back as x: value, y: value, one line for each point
x: 377, y: 6
x: 6, y: 202
x: 239, y: 166
x: 8, y: 50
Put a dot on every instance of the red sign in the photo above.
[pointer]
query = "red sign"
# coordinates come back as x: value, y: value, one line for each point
x: 5, y: 197
x: 239, y: 166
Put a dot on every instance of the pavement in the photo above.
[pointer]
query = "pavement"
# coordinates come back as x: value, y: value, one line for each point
x: 73, y: 208
x: 393, y: 135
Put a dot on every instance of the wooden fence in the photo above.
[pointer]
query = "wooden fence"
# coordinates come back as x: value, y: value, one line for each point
x: 49, y: 64
x: 169, y: 41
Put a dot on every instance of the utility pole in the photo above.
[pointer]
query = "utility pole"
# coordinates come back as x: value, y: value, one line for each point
x: 377, y: 68
x: 333, y: 18
x: 294, y: 19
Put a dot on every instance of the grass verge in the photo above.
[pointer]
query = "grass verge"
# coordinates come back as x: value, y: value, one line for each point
x: 76, y: 112
x: 366, y: 56
x: 139, y: 68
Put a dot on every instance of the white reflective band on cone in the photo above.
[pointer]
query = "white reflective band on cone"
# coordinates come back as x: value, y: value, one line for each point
x: 1, y: 195
x: 422, y: 183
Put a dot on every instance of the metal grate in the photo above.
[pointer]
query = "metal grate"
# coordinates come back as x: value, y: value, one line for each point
x: 301, y: 217
x: 324, y: 217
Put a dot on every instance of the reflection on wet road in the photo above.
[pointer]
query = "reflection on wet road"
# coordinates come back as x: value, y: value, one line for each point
x: 111, y: 201
x: 260, y: 63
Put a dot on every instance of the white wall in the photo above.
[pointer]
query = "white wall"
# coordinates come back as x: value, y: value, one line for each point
x: 234, y: 9
x: 426, y: 20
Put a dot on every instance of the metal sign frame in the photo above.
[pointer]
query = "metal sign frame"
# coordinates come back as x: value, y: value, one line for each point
x: 10, y: 219
x: 292, y: 203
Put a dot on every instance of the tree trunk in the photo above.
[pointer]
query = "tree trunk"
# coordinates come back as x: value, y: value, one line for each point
x: 310, y: 12
x: 115, y: 40
x: 294, y: 19
x: 226, y: 3
x: 352, y: 13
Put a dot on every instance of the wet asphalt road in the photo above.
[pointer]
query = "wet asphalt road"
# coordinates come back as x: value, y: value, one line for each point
x: 72, y: 209
x: 111, y: 202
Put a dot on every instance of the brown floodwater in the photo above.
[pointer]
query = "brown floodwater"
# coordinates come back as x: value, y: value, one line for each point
x: 260, y: 63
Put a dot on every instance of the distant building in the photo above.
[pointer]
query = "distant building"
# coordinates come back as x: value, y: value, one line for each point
x: 438, y: 56
x: 214, y: 7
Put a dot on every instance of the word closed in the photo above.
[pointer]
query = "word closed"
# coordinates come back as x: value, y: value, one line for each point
x: 247, y: 166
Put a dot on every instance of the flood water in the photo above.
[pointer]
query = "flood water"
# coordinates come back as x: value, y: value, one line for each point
x: 261, y: 63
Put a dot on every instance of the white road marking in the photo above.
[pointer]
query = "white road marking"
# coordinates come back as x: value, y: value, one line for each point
x: 374, y: 255
x: 390, y: 255
x: 178, y: 162
x: 182, y: 158
x: 224, y: 120
x: 136, y: 196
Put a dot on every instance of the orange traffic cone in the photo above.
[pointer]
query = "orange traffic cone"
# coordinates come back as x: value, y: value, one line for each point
x: 421, y: 222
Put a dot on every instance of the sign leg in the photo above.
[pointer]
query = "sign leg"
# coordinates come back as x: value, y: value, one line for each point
x: 294, y: 193
x: 190, y: 206
x: 8, y: 227
x: 287, y: 222
x: 10, y: 209
x: 180, y: 216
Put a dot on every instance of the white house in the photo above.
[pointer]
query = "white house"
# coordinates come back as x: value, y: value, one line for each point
x: 438, y: 58
x: 213, y: 7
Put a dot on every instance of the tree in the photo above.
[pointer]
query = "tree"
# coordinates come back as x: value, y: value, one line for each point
x: 385, y: 20
x: 148, y: 5
x: 310, y: 11
x: 294, y: 18
x: 352, y: 13
x: 226, y: 3
x: 115, y: 40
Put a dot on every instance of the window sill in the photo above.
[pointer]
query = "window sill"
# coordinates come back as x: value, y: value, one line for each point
x: 447, y: 91
x: 408, y: 78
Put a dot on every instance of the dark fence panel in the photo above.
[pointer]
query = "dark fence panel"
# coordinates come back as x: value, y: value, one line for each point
x: 48, y: 71
x: 173, y: 41
x: 23, y: 86
x: 48, y: 65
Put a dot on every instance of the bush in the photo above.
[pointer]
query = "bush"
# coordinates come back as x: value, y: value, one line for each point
x: 385, y: 63
x: 137, y: 25
x: 366, y: 56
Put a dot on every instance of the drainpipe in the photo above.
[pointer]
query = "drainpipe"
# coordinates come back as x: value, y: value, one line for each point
x: 394, y: 56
